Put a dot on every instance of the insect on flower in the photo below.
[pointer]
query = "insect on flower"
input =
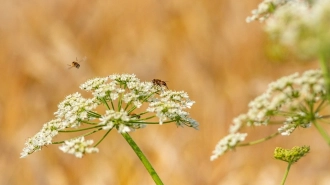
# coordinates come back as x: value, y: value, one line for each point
x: 133, y: 115
x: 76, y: 63
x: 159, y: 83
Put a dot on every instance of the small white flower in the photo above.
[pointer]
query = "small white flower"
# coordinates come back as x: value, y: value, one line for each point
x: 128, y: 97
x: 227, y: 143
x: 78, y: 147
x: 93, y: 84
x: 128, y: 79
x: 171, y: 106
x: 109, y: 89
x: 74, y: 109
x: 112, y: 118
x: 265, y: 9
x: 238, y: 123
x: 43, y: 137
x: 287, y: 129
x: 123, y: 128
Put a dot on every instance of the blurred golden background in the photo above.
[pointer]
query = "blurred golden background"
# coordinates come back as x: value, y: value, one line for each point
x: 202, y: 47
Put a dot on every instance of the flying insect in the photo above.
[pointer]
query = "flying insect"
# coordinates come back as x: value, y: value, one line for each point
x: 76, y: 63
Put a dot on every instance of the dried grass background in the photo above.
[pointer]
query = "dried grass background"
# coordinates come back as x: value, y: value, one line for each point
x: 202, y: 47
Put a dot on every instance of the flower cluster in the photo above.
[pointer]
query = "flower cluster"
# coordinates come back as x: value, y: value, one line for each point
x: 121, y: 118
x: 291, y: 156
x: 78, y: 147
x: 120, y: 95
x: 291, y: 97
x: 171, y: 105
x: 43, y: 137
x: 301, y: 25
x: 227, y: 143
x: 265, y: 9
x: 74, y: 109
x: 293, y: 100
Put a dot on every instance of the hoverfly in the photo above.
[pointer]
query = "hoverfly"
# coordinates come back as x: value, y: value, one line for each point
x: 76, y: 63
x: 159, y: 83
x: 133, y: 115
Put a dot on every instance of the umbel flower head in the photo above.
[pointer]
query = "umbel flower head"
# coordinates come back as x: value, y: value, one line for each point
x: 120, y: 95
x: 301, y: 25
x: 293, y: 101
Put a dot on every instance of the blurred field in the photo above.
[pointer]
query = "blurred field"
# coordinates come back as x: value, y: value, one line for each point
x: 202, y: 47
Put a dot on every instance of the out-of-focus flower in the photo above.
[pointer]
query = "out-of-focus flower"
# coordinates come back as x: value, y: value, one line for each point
x: 301, y: 25
x: 295, y: 101
x: 227, y: 143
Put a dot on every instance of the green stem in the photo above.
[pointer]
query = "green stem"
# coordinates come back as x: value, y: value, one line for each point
x: 322, y: 132
x: 324, y: 117
x: 143, y: 158
x: 320, y: 106
x: 150, y: 117
x: 93, y: 114
x: 82, y: 129
x: 106, y: 103
x: 286, y: 173
x: 260, y: 140
x: 89, y: 133
x: 112, y: 105
x: 326, y: 73
x: 120, y: 101
x: 89, y: 123
x: 127, y: 105
x: 103, y: 137
x: 171, y: 121
x: 134, y: 107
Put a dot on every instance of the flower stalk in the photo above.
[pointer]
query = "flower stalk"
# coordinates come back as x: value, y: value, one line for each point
x: 323, y: 133
x: 286, y: 173
x: 290, y: 156
x: 325, y: 67
x: 259, y: 140
x: 143, y: 159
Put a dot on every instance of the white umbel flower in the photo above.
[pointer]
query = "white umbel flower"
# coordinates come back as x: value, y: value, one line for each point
x: 120, y: 95
x: 78, y: 147
x: 43, y: 137
x: 227, y: 143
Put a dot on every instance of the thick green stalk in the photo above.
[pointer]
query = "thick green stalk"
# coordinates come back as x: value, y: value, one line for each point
x: 325, y: 66
x: 323, y: 133
x: 143, y: 158
x: 286, y: 174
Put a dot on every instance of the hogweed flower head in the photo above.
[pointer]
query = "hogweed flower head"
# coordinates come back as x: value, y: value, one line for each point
x: 120, y: 95
x: 301, y: 25
x: 293, y: 98
x: 295, y: 101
